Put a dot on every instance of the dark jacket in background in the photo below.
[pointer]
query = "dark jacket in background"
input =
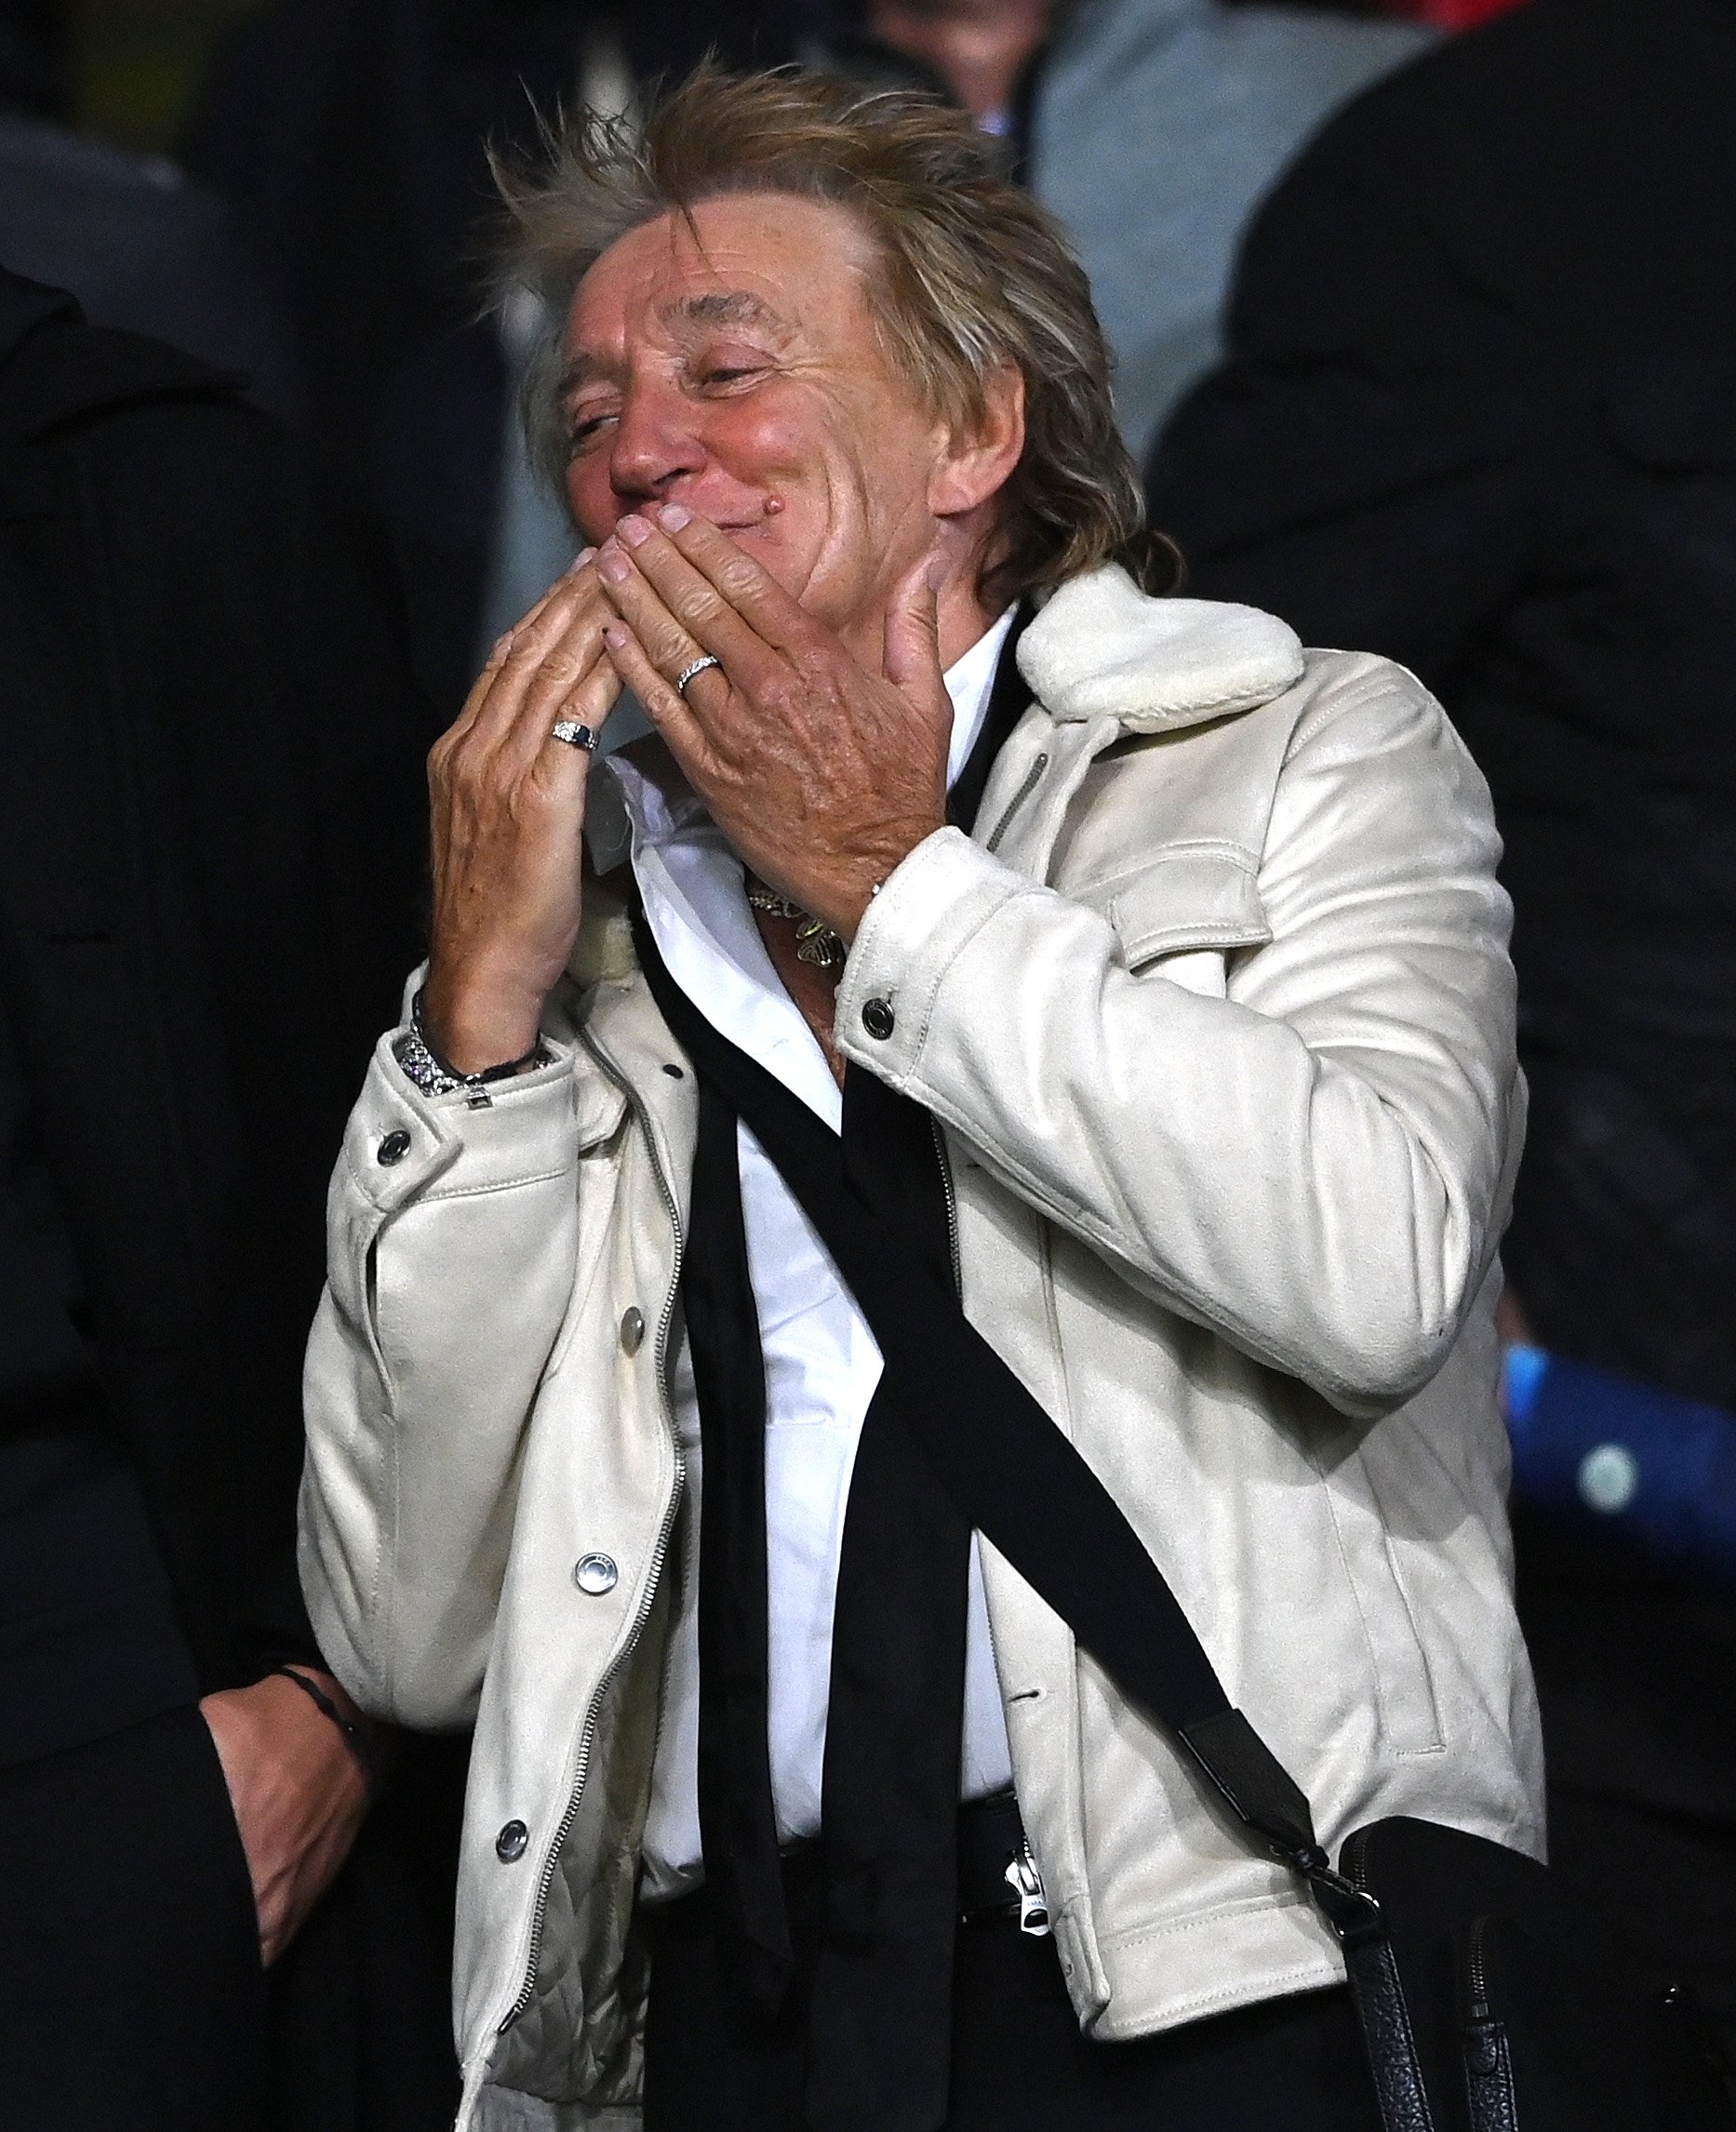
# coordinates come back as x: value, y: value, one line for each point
x: 210, y: 839
x: 1480, y: 414
x: 352, y: 136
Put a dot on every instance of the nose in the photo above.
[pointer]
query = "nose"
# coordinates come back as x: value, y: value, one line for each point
x: 654, y: 442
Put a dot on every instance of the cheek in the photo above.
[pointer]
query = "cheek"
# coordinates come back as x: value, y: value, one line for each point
x: 798, y: 454
x: 760, y: 447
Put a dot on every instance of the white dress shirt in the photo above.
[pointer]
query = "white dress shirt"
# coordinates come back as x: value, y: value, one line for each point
x: 822, y: 1362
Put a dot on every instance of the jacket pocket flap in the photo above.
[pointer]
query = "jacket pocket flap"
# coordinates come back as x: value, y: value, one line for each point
x: 1190, y: 895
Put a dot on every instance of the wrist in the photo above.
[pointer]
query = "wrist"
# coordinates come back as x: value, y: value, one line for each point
x: 428, y: 1069
x: 865, y: 881
x: 336, y: 1710
x: 476, y: 1026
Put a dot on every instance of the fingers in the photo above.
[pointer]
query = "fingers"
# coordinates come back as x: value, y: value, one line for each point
x: 674, y: 610
x: 664, y: 705
x: 550, y: 697
x: 742, y: 585
x: 549, y: 664
x: 913, y: 638
x: 541, y: 663
x: 503, y: 647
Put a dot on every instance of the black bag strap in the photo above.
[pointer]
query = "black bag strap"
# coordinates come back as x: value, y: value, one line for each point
x: 1013, y: 1475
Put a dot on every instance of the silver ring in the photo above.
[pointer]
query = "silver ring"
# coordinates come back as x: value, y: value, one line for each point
x: 687, y: 672
x: 575, y: 735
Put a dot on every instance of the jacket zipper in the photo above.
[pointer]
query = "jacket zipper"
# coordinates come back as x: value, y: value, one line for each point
x: 1479, y: 1980
x: 1026, y: 1883
x: 1489, y: 2093
x: 1018, y: 798
x: 952, y: 1207
x: 587, y: 1739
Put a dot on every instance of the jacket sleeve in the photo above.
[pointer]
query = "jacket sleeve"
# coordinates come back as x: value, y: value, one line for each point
x: 453, y: 1235
x: 1315, y: 1165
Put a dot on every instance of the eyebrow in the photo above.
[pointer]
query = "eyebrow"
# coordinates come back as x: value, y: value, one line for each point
x: 578, y: 371
x: 719, y: 307
x: 722, y: 307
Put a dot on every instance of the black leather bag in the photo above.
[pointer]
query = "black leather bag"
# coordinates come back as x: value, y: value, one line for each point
x: 1493, y: 2001
x: 1488, y: 2000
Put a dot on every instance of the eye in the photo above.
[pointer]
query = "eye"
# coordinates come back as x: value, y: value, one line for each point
x: 727, y: 367
x: 584, y: 429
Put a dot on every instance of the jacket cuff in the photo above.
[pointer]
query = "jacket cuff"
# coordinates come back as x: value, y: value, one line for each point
x: 927, y: 912
x: 402, y: 1144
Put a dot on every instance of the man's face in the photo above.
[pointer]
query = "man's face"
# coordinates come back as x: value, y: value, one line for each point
x: 732, y: 366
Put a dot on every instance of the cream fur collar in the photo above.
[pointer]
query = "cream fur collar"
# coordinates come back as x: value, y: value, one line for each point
x: 1101, y: 648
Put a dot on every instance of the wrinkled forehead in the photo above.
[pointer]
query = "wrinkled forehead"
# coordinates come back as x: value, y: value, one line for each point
x: 770, y: 263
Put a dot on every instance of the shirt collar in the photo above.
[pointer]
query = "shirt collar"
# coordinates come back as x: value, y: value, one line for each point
x: 970, y: 683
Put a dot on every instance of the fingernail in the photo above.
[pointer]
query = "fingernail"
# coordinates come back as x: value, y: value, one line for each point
x: 613, y: 566
x: 584, y: 558
x: 671, y: 518
x: 633, y: 530
x: 615, y: 636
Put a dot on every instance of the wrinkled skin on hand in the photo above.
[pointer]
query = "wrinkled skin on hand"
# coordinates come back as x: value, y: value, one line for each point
x: 298, y: 1796
x: 507, y: 810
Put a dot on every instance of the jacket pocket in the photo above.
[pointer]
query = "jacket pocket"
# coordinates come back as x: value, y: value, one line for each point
x: 1186, y: 899
x: 1409, y: 1709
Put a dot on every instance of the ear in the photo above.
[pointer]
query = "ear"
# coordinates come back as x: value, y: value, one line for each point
x: 976, y: 466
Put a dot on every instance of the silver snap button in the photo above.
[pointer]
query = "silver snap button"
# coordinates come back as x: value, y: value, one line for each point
x: 509, y: 1844
x: 394, y: 1148
x: 595, y: 1574
x: 877, y: 1018
x: 633, y: 1328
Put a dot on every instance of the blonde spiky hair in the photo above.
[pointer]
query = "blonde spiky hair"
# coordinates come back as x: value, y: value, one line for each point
x: 974, y: 277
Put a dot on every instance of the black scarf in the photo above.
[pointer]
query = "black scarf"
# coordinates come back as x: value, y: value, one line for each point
x: 951, y: 1442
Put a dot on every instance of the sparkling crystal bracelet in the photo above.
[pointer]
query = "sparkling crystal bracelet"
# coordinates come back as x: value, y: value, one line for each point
x: 423, y: 1066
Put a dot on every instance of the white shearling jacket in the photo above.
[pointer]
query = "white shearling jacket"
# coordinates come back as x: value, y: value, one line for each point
x: 1217, y: 1018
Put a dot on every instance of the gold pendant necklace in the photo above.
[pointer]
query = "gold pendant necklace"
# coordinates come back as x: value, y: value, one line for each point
x: 816, y: 942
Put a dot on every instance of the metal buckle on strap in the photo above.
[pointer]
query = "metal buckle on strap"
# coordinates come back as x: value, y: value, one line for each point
x: 1352, y: 1912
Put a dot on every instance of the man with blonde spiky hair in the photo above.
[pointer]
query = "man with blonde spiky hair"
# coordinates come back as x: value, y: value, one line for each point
x: 1017, y: 1108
